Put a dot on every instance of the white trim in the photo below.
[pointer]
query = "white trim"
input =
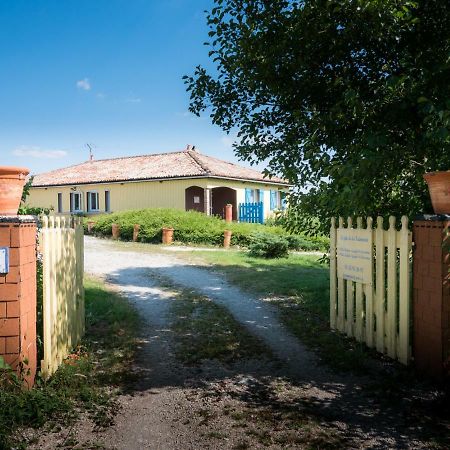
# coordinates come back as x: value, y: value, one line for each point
x: 81, y: 201
x: 92, y: 183
x: 89, y: 208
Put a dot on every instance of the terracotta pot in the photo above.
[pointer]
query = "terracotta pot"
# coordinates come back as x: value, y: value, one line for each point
x: 12, y: 181
x: 227, y: 238
x: 439, y: 187
x: 228, y: 213
x: 167, y: 235
x: 136, y: 229
x: 115, y: 231
x: 90, y: 227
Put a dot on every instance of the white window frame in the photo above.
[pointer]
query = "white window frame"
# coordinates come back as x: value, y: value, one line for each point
x: 80, y: 195
x: 89, y: 205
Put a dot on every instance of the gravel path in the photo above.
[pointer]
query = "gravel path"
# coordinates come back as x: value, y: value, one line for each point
x: 133, y: 273
x: 167, y: 410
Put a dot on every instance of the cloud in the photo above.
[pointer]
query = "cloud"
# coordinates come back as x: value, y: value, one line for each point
x: 37, y: 152
x: 101, y: 95
x: 84, y: 84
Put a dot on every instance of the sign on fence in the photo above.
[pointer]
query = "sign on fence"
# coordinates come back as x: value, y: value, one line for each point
x: 354, y: 251
x: 370, y: 284
x: 62, y: 247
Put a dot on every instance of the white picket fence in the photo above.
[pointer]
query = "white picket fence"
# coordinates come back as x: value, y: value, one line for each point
x: 379, y: 313
x: 62, y: 247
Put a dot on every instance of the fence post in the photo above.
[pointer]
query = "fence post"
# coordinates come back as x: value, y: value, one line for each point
x: 431, y: 284
x: 18, y: 296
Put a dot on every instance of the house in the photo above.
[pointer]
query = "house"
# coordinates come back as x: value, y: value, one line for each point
x: 184, y: 180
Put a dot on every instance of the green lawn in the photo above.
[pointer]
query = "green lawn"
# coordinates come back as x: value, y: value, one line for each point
x: 87, y: 381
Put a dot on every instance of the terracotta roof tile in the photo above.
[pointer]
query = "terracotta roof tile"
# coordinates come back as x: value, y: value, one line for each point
x: 182, y: 164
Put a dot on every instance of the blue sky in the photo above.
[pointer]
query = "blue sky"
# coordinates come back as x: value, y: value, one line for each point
x: 105, y: 72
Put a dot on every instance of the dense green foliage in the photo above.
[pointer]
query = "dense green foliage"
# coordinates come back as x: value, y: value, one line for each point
x: 191, y: 227
x: 84, y: 381
x: 268, y: 246
x: 33, y: 211
x: 349, y: 100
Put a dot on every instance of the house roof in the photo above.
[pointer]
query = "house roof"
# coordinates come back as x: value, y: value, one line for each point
x: 182, y: 164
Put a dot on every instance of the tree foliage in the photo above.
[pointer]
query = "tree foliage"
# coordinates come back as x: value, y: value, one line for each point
x: 348, y: 99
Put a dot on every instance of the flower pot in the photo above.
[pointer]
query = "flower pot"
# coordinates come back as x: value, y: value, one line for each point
x: 12, y: 181
x: 167, y: 235
x: 115, y: 231
x: 90, y: 226
x: 136, y: 229
x: 227, y: 238
x: 439, y: 187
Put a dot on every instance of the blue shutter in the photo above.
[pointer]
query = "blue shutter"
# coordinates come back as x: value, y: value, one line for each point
x: 248, y: 195
x: 273, y: 200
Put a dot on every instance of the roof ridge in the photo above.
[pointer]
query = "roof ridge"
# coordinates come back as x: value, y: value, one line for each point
x: 193, y: 155
x: 136, y: 156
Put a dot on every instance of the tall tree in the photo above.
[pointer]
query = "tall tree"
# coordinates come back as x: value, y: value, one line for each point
x: 348, y: 99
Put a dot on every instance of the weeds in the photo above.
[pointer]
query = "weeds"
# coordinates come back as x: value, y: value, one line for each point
x: 88, y: 380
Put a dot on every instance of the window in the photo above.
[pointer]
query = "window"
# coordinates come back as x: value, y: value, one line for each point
x: 107, y: 201
x: 60, y: 203
x: 92, y: 201
x: 75, y: 202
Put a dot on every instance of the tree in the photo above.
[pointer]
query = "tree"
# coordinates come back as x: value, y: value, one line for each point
x: 348, y: 99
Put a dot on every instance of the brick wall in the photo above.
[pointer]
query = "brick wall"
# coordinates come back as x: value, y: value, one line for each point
x: 18, y: 296
x: 432, y: 296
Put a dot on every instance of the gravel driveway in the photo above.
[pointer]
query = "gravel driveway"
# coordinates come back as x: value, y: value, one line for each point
x: 167, y: 409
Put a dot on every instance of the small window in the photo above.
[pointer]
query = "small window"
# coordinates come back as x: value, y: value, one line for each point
x: 60, y: 203
x: 107, y: 201
x: 75, y: 202
x: 93, y: 201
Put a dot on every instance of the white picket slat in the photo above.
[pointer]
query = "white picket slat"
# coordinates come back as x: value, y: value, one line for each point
x: 379, y: 313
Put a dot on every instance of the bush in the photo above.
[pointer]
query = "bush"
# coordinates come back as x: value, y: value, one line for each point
x: 190, y: 227
x: 268, y: 246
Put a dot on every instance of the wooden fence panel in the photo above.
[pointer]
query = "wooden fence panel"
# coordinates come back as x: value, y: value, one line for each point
x: 377, y: 313
x: 61, y: 244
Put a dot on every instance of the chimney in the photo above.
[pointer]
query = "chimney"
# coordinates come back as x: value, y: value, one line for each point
x: 190, y: 147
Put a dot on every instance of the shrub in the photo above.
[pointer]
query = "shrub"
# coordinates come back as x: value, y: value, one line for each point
x: 190, y: 227
x: 268, y: 246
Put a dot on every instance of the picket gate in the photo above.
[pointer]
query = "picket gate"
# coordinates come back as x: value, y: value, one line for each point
x: 252, y: 212
x: 378, y: 314
x: 61, y: 243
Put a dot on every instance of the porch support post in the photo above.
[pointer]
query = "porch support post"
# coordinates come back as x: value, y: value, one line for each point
x: 208, y: 202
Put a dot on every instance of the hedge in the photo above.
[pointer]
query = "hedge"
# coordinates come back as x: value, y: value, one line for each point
x: 192, y: 227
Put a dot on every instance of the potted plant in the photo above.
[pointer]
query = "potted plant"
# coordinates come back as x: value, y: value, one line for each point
x: 439, y: 188
x: 12, y: 181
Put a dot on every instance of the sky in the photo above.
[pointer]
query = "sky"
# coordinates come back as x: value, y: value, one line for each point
x: 102, y: 72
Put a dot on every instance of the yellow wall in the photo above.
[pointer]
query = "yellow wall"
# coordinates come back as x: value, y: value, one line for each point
x: 145, y: 194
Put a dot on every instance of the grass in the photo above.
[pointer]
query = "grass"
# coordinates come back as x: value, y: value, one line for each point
x: 299, y: 286
x: 206, y: 331
x: 89, y: 379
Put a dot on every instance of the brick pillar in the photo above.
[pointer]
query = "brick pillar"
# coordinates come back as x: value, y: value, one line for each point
x: 18, y: 295
x: 431, y: 285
